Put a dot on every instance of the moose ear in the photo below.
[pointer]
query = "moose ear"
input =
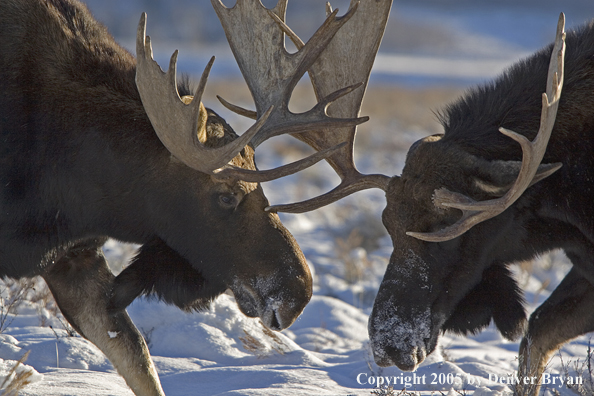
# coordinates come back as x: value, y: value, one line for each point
x: 202, y: 118
x: 418, y: 143
x: 496, y: 177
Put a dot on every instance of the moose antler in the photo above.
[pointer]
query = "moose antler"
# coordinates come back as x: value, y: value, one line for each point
x: 178, y: 123
x: 348, y: 59
x: 272, y: 73
x: 474, y: 212
x: 335, y: 68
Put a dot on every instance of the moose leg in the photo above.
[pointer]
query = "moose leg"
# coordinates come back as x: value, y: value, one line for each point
x: 566, y: 314
x: 81, y: 284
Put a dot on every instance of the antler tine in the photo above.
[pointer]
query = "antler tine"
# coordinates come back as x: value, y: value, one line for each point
x: 336, y: 67
x: 277, y: 173
x: 238, y: 109
x: 533, y: 152
x: 270, y: 71
x: 176, y: 124
x: 347, y: 187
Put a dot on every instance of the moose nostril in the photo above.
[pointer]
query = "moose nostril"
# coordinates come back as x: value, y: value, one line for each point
x: 274, y: 324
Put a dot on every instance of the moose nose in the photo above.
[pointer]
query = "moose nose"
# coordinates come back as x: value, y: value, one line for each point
x: 404, y: 360
x: 276, y: 311
x: 277, y: 302
x: 271, y: 319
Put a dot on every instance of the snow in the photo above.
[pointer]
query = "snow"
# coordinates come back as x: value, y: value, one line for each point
x: 326, y: 351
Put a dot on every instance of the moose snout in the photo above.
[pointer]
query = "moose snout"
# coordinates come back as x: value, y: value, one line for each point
x: 400, y: 340
x: 408, y: 360
x: 404, y: 347
x: 277, y: 308
x: 275, y: 316
x: 276, y: 313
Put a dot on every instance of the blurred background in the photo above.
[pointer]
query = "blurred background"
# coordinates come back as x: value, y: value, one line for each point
x: 426, y: 41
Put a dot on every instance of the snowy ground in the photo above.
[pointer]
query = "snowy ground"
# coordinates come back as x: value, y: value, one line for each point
x: 326, y: 352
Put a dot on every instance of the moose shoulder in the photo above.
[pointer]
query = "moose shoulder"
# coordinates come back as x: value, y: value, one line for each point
x: 90, y: 149
x: 444, y: 276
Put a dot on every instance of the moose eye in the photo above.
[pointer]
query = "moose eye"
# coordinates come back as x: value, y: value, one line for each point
x: 228, y: 201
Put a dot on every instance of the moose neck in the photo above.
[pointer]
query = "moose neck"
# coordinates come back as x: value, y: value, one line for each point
x: 81, y: 112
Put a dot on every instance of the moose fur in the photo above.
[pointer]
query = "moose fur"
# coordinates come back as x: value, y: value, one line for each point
x: 462, y: 284
x: 80, y: 162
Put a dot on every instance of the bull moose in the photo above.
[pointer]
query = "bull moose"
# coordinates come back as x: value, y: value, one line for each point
x: 97, y: 144
x: 472, y: 201
x: 510, y: 178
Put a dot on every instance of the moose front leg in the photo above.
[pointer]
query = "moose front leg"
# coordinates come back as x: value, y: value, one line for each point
x: 81, y: 284
x: 566, y: 314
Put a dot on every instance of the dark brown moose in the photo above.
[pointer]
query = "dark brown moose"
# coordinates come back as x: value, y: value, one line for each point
x: 465, y: 207
x: 485, y: 194
x: 95, y: 144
